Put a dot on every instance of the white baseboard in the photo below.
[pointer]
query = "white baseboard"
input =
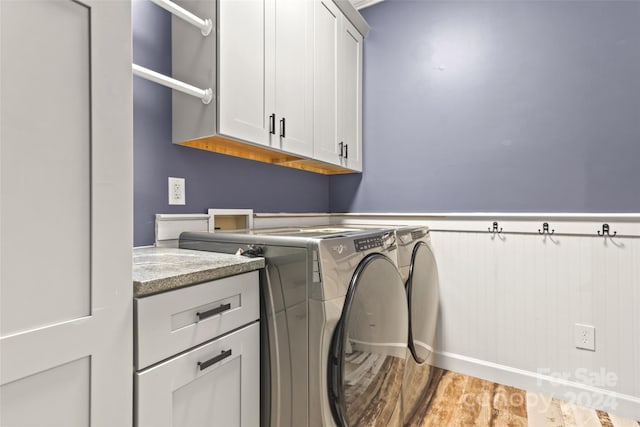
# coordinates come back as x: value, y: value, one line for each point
x: 581, y: 394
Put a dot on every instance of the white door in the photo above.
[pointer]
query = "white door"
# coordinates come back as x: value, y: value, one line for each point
x: 327, y: 36
x: 241, y: 70
x: 66, y: 213
x: 290, y: 59
x: 350, y: 101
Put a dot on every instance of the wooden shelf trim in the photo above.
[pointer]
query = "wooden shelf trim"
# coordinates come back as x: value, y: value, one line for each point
x: 222, y: 145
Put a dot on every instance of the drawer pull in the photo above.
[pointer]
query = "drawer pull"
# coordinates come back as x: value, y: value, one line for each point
x: 223, y: 355
x: 213, y: 311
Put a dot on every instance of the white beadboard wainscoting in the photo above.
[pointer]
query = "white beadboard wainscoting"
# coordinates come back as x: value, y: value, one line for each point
x: 509, y: 305
x: 509, y: 300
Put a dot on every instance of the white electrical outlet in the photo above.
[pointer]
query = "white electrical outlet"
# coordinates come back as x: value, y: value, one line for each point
x: 584, y: 336
x: 176, y: 191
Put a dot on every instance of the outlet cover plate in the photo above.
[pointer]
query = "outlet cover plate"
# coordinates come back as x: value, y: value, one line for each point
x: 584, y: 337
x: 176, y: 191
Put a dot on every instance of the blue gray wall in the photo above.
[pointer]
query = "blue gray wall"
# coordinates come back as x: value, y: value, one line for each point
x: 516, y: 106
x: 212, y: 180
x: 530, y: 106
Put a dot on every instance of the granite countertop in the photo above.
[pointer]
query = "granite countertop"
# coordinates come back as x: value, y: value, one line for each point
x: 163, y: 269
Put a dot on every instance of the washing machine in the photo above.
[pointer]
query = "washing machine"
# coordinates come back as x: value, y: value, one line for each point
x: 334, y: 324
x: 417, y: 266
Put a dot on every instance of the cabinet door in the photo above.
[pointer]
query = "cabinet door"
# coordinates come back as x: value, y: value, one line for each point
x: 327, y: 38
x: 291, y: 56
x: 66, y: 213
x: 350, y: 89
x: 241, y: 71
x: 184, y: 391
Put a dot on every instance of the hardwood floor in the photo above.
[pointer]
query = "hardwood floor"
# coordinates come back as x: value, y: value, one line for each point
x: 458, y: 400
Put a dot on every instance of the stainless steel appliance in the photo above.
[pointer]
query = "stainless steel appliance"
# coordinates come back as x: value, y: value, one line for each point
x: 417, y: 266
x: 419, y: 271
x: 334, y: 324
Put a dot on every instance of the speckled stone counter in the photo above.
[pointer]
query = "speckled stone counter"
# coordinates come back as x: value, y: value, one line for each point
x: 163, y: 269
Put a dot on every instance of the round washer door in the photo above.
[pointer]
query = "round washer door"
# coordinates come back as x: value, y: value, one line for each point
x: 369, y: 347
x: 423, y: 295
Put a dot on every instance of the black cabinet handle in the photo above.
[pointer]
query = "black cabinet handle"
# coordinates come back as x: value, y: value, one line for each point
x: 223, y: 355
x: 213, y: 311
x: 282, y: 128
x: 341, y: 145
x: 272, y: 124
x: 346, y: 151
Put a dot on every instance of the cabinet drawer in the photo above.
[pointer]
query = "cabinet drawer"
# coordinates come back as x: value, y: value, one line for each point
x: 172, y: 322
x: 184, y: 392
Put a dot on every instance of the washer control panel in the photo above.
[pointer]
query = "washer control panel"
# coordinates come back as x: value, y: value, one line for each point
x: 368, y: 243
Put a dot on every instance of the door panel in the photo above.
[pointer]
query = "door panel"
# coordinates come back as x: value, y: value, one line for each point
x: 294, y: 74
x: 38, y: 173
x: 327, y: 31
x: 369, y: 349
x: 60, y: 394
x: 66, y: 209
x: 241, y: 70
x: 350, y: 106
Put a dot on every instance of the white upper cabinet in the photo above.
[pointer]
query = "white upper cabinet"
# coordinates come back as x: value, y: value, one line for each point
x: 338, y: 88
x: 350, y: 92
x: 287, y: 79
x: 241, y: 71
x: 266, y: 73
x: 289, y: 74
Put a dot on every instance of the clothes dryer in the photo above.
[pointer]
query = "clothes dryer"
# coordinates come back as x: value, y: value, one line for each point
x: 334, y: 323
x: 417, y: 265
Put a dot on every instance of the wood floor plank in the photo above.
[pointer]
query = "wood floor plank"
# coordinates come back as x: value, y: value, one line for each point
x: 477, y: 399
x: 543, y: 411
x: 586, y: 417
x: 567, y: 414
x: 622, y: 422
x: 458, y: 400
x: 445, y: 401
x: 510, y: 407
x: 604, y: 419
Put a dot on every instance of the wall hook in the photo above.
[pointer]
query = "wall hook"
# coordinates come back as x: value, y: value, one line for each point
x: 605, y: 231
x: 495, y: 228
x: 545, y: 229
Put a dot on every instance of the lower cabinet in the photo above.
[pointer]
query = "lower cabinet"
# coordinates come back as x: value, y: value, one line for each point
x: 215, y: 384
x: 198, y: 355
